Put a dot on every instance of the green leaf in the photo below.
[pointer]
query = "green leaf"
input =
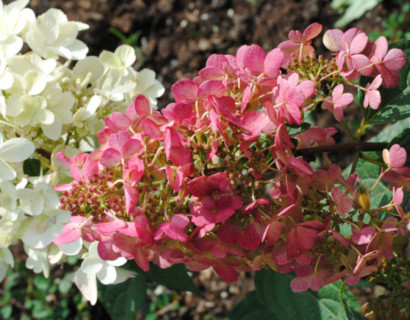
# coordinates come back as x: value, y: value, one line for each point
x: 123, y: 300
x: 398, y: 109
x: 274, y: 292
x: 354, y: 11
x: 391, y: 132
x: 41, y: 283
x: 369, y: 173
x: 250, y: 308
x: 174, y: 277
x: 5, y: 312
x: 31, y: 167
x: 64, y: 286
x: 296, y: 129
x: 395, y: 101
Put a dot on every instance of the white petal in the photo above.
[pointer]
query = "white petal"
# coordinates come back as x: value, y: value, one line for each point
x: 6, y: 256
x: 3, y: 107
x: 16, y: 150
x: 109, y: 59
x: 6, y: 172
x: 53, y: 131
x: 6, y: 81
x: 72, y: 248
x: 145, y: 78
x: 11, y: 46
x: 107, y: 275
x: 126, y: 54
x: 78, y: 50
x: 123, y: 275
x: 92, y: 265
x: 39, y: 232
x: 117, y: 262
x: 90, y: 67
x: 87, y: 284
x: 37, y: 206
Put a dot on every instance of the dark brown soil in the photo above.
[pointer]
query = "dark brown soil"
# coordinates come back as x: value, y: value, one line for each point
x: 177, y: 36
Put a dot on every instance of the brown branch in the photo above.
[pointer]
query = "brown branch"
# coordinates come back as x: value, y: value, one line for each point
x: 343, y: 147
x: 46, y: 154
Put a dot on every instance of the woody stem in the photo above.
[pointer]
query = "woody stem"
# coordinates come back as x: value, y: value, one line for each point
x: 344, y: 147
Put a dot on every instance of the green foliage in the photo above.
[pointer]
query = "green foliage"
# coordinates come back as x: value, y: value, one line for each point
x: 28, y: 296
x: 275, y: 300
x: 31, y: 167
x: 175, y: 277
x: 395, y: 26
x: 396, y: 101
x: 251, y: 308
x: 124, y: 300
x: 352, y: 10
x: 296, y: 129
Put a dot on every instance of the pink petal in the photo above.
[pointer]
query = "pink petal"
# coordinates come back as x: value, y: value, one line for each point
x: 344, y: 100
x: 142, y: 106
x: 272, y: 63
x: 398, y: 156
x: 212, y: 73
x: 185, y: 90
x: 111, y: 227
x: 110, y: 158
x: 312, y: 31
x: 132, y: 147
x: 251, y: 57
x: 226, y: 272
x: 255, y: 121
x: 245, y: 99
x: 398, y: 196
x: 90, y: 168
x: 348, y: 37
x: 120, y: 120
x: 69, y: 236
x: 358, y: 43
x: 374, y: 99
x: 337, y: 91
x: 360, y: 61
x: 391, y: 79
x: 364, y: 236
x: 338, y: 113
x: 308, y: 88
x: 395, y: 59
x: 131, y: 198
x: 331, y: 39
x: 288, y: 47
x: 175, y: 178
x: 295, y: 35
x: 144, y: 228
x: 380, y: 48
x: 63, y: 159
x: 216, y: 60
x: 117, y: 140
x: 150, y: 128
x: 180, y: 220
x: 376, y: 82
x: 211, y: 87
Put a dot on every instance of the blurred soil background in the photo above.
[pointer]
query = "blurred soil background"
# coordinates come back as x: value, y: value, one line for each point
x: 174, y: 38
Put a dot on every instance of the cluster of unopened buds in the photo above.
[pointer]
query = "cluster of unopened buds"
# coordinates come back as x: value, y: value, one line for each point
x: 218, y: 179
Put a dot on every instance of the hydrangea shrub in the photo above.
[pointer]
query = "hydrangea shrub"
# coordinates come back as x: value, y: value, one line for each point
x: 222, y: 177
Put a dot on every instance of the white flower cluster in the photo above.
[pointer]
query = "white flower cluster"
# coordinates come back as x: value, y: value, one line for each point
x: 48, y: 103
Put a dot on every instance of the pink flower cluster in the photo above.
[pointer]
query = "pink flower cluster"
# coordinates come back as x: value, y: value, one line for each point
x: 213, y: 180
